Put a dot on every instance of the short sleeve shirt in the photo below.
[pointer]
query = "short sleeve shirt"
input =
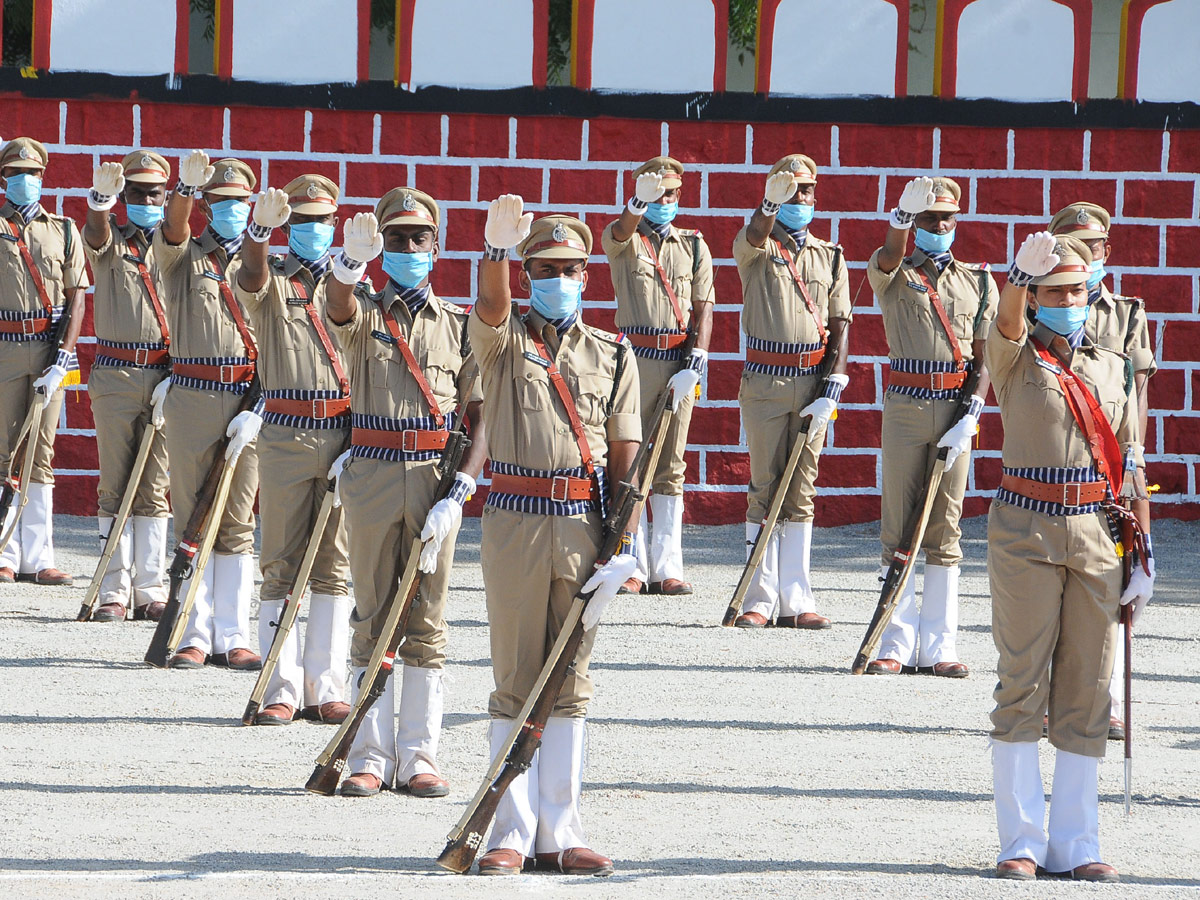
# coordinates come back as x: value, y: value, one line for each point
x: 1119, y: 323
x: 121, y: 305
x: 47, y: 243
x: 642, y: 299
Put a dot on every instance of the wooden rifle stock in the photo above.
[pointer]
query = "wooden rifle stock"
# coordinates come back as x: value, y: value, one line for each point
x: 185, y: 550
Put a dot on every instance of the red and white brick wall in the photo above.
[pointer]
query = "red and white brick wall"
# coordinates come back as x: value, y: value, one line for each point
x: 1012, y: 179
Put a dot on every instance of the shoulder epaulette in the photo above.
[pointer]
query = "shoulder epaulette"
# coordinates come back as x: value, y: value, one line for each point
x: 978, y: 267
x: 691, y: 232
x: 276, y: 261
x: 609, y: 336
x: 454, y: 308
x: 1137, y: 301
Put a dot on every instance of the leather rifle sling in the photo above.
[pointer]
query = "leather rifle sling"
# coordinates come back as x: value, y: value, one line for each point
x: 808, y: 300
x: 322, y: 334
x: 411, y: 361
x: 139, y: 260
x: 38, y: 282
x: 232, y: 305
x: 666, y: 282
x: 935, y: 301
x: 560, y: 386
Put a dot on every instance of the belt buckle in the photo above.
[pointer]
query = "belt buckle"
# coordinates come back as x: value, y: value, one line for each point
x: 141, y: 356
x: 1067, y: 491
x: 225, y: 374
x: 662, y: 341
x: 29, y: 326
x: 318, y: 408
x: 555, y: 481
x: 408, y: 440
x: 937, y: 381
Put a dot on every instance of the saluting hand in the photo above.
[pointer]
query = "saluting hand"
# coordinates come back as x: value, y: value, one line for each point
x: 917, y: 196
x: 194, y: 170
x: 506, y: 224
x: 108, y: 180
x: 649, y: 187
x: 780, y: 188
x: 361, y: 240
x: 1036, y: 254
x: 271, y: 208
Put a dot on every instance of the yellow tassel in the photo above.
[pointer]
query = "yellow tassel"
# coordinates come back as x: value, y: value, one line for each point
x: 71, y: 378
x: 1120, y: 548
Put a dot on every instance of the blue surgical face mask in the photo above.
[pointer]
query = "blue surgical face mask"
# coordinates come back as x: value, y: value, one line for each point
x: 229, y: 218
x: 662, y: 213
x: 144, y: 216
x: 407, y: 269
x: 795, y: 216
x: 934, y: 243
x: 1097, y: 273
x: 1064, y: 320
x: 310, y: 240
x: 24, y: 189
x: 555, y: 298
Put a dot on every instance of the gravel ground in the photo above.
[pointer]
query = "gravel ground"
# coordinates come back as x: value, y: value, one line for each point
x: 723, y: 763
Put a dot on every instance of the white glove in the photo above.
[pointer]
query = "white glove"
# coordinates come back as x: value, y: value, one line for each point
x: 649, y: 187
x: 917, y: 196
x: 506, y: 226
x: 605, y: 582
x: 445, y: 516
x: 241, y: 431
x: 958, y: 439
x: 158, y: 401
x: 194, y: 170
x: 48, y: 383
x: 821, y: 410
x: 682, y: 384
x: 1036, y: 254
x: 361, y: 240
x: 780, y: 188
x: 335, y: 474
x: 1140, y: 589
x: 271, y: 208
x: 108, y: 180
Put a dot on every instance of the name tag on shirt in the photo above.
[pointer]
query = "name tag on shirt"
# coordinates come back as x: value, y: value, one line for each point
x: 1049, y: 367
x: 383, y: 336
x: 779, y: 260
x: 535, y: 358
x: 918, y: 287
x: 215, y: 276
x: 296, y: 301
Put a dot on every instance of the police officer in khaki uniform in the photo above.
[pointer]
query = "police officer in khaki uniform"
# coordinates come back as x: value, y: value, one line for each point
x: 662, y: 276
x: 1118, y: 323
x: 1054, y: 570
x: 413, y: 378
x: 306, y: 411
x: 552, y: 466
x: 213, y: 355
x: 796, y: 307
x: 42, y: 277
x: 936, y: 314
x: 132, y: 361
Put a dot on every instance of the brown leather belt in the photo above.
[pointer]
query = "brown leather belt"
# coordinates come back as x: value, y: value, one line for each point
x: 320, y: 408
x: 220, y: 374
x: 932, y: 381
x: 141, y: 356
x: 1073, y: 493
x: 25, y: 326
x: 560, y: 487
x: 805, y: 360
x: 666, y: 341
x: 410, y: 440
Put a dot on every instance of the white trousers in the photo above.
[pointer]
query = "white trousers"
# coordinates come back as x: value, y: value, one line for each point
x: 924, y: 635
x: 318, y: 674
x: 31, y: 547
x: 396, y: 754
x: 666, y: 542
x: 220, y: 618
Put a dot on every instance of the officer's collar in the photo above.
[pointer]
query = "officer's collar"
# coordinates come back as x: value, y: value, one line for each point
x: 561, y: 326
x: 129, y: 229
x: 394, y: 295
x: 23, y: 214
x: 919, y: 257
x: 209, y: 241
x: 1048, y: 338
x: 648, y: 228
x: 1105, y: 296
x: 316, y: 268
x: 784, y: 236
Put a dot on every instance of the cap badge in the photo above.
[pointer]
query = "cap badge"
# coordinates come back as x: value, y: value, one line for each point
x: 147, y: 162
x: 312, y: 191
x: 230, y: 174
x: 409, y: 204
x: 1081, y: 217
x: 560, y: 233
x: 795, y: 165
x: 24, y: 154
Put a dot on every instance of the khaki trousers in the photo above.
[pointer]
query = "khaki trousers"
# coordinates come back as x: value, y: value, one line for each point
x: 654, y: 375
x: 533, y: 566
x: 196, y: 425
x: 293, y: 475
x: 386, y: 505
x: 911, y: 429
x: 771, y: 417
x: 1056, y: 585
x: 21, y: 364
x: 121, y: 406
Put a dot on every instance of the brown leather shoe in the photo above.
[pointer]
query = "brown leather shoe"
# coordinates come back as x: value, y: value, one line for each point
x: 884, y: 666
x: 109, y: 612
x: 1019, y: 869
x: 243, y: 660
x: 363, y: 784
x: 501, y: 861
x: 188, y: 658
x: 1095, y: 871
x: 424, y: 784
x: 7, y: 575
x: 670, y: 587
x: 804, y: 620
x: 1116, y: 729
x: 150, y: 612
x: 631, y: 586
x: 950, y: 670
x: 750, y: 620
x: 275, y: 714
x: 576, y: 861
x: 45, y: 576
x: 332, y: 713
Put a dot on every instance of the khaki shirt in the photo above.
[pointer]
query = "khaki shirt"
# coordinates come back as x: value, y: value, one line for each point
x: 1119, y: 323
x: 121, y: 306
x: 47, y: 245
x: 1030, y: 395
x: 380, y: 379
x: 200, y: 322
x: 527, y: 424
x: 774, y: 309
x: 641, y: 298
x: 913, y: 329
x: 291, y: 356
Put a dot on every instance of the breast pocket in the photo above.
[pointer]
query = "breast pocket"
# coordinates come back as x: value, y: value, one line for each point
x: 441, y: 370
x: 533, y: 390
x: 294, y: 328
x: 1043, y: 399
x: 592, y: 393
x: 379, y: 367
